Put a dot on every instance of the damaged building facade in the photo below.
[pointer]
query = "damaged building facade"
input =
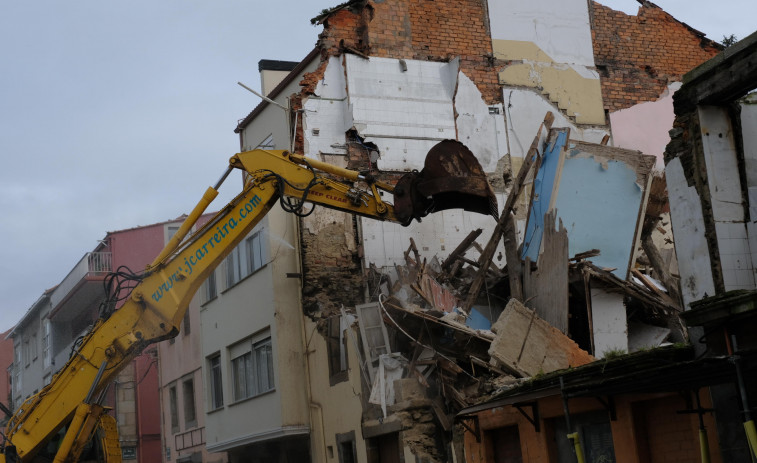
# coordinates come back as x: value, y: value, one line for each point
x: 336, y: 338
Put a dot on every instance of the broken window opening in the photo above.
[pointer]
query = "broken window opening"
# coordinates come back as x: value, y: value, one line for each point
x: 337, y: 350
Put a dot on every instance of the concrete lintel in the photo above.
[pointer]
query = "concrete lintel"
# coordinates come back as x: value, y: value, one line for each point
x: 375, y: 428
x: 277, y: 433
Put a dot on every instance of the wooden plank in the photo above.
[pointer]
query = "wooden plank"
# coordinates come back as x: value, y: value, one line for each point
x: 491, y: 247
x: 652, y: 287
x: 514, y: 265
x: 445, y: 420
x: 546, y: 288
x: 461, y: 248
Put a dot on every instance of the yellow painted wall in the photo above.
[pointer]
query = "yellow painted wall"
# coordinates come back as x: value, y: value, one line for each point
x: 578, y: 94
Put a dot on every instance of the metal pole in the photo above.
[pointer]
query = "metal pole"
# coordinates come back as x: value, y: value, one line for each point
x: 749, y: 427
x: 572, y: 436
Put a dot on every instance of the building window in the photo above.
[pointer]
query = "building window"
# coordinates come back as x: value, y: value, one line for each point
x: 174, y: 408
x: 251, y: 369
x: 216, y: 382
x: 26, y: 351
x: 233, y: 270
x: 17, y: 368
x: 346, y: 446
x: 187, y: 324
x: 190, y: 415
x: 245, y: 259
x: 254, y: 249
x: 210, y: 287
x: 46, y: 343
x: 171, y: 230
x: 337, y: 350
x: 35, y: 347
x: 263, y: 365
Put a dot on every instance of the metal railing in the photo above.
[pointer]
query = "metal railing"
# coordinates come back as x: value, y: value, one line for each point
x: 100, y: 262
x: 191, y: 438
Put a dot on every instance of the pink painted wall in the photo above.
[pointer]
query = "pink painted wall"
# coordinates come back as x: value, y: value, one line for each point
x: 6, y: 359
x: 136, y: 248
x: 148, y: 406
x: 181, y: 360
x: 645, y: 127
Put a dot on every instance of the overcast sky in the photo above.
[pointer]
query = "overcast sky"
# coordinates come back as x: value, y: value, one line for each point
x: 120, y: 114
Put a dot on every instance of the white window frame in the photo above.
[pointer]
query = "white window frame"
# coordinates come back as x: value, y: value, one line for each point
x: 215, y: 371
x: 26, y: 351
x: 211, y: 287
x: 252, y: 368
x: 246, y: 258
x: 173, y: 407
x: 17, y: 368
x: 189, y: 403
x: 34, y: 347
x: 47, y: 358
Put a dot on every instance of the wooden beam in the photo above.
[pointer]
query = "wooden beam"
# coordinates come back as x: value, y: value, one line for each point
x: 491, y: 247
x: 461, y: 248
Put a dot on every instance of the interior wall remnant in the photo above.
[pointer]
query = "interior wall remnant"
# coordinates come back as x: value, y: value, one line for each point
x: 727, y: 202
x: 645, y: 126
x: 610, y: 330
x: 599, y: 193
x: 749, y: 133
x: 403, y: 110
x: 480, y: 127
x: 547, y: 47
x: 326, y: 115
x: 691, y: 244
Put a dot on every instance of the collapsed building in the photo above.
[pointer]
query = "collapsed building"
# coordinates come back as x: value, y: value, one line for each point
x: 461, y: 337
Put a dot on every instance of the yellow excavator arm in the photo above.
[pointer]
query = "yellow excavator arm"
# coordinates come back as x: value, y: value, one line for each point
x: 156, y: 306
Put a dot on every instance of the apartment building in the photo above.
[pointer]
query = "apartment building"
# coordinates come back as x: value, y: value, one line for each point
x: 254, y: 369
x: 49, y: 332
x: 181, y: 385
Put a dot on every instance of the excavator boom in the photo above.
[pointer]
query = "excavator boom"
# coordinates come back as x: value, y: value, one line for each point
x: 156, y: 306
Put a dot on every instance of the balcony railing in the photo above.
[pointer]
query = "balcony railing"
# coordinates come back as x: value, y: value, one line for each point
x: 100, y: 262
x: 92, y: 264
x: 191, y: 438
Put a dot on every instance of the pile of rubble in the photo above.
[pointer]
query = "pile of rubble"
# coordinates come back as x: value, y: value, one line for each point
x: 466, y: 327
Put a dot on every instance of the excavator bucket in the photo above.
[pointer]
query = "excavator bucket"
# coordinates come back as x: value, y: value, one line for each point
x: 451, y: 178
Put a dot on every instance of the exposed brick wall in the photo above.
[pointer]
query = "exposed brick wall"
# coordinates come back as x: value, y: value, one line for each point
x: 332, y: 273
x: 637, y: 56
x: 419, y: 30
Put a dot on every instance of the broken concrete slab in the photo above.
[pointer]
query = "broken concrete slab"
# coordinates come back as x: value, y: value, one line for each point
x: 642, y: 336
x: 527, y: 345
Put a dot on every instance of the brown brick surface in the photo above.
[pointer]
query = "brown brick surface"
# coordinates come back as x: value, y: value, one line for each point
x: 637, y: 56
x: 419, y: 30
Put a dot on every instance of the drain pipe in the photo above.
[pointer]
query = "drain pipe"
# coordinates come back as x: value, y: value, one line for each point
x: 305, y: 348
